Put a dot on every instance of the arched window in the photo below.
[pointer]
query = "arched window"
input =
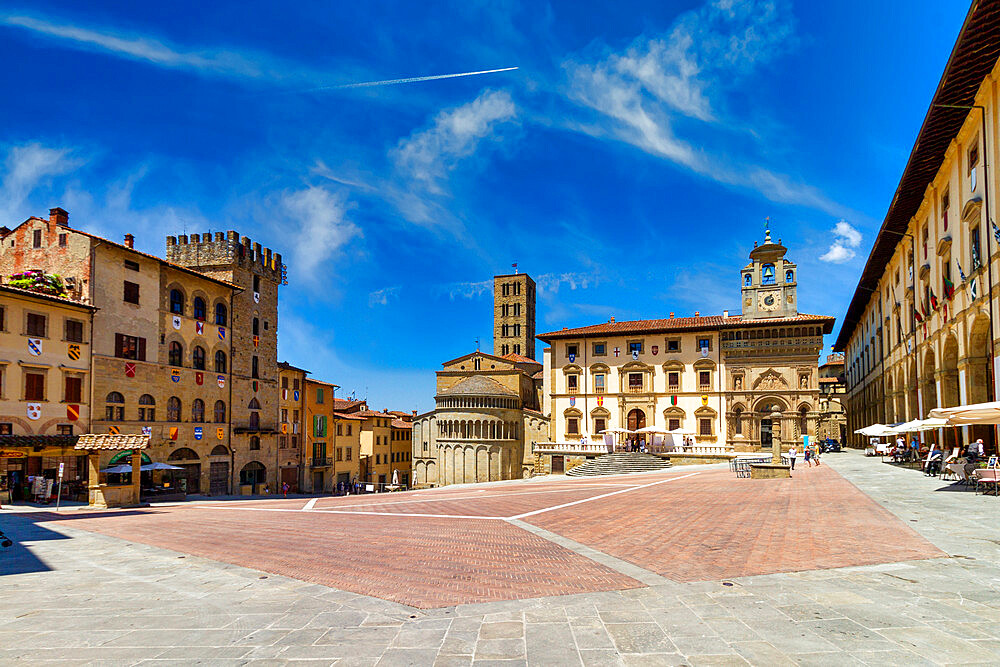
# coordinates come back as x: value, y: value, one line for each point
x: 147, y: 413
x: 176, y: 302
x: 254, y: 442
x: 220, y: 412
x: 220, y: 362
x: 198, y: 410
x: 803, y: 420
x: 254, y: 404
x: 256, y: 326
x: 789, y: 276
x: 767, y: 274
x: 220, y: 314
x: 173, y: 409
x: 115, y: 409
x: 198, y: 357
x: 199, y: 308
x: 738, y: 421
x: 175, y: 355
x: 746, y: 280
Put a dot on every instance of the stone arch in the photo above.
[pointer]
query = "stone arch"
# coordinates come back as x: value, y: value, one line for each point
x: 911, y: 385
x: 950, y: 391
x: 928, y: 386
x: 220, y: 450
x: 979, y: 379
x: 183, y: 454
x: 635, y: 419
x: 173, y: 291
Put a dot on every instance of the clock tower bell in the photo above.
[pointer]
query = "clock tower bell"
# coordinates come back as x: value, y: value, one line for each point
x: 769, y: 282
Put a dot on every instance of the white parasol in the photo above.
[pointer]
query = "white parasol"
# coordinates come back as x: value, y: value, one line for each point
x: 977, y: 413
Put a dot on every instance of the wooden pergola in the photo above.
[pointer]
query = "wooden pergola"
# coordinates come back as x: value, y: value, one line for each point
x: 105, y: 495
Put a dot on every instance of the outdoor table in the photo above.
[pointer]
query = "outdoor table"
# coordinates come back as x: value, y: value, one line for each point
x: 955, y: 469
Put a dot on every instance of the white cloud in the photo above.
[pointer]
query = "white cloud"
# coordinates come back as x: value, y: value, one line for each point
x: 322, y: 228
x: 382, y: 297
x: 467, y: 290
x: 845, y: 239
x: 429, y: 154
x: 211, y: 61
x: 549, y: 283
x: 639, y: 93
x: 26, y: 168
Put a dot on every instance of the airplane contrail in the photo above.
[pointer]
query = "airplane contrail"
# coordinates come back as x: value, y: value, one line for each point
x: 393, y: 82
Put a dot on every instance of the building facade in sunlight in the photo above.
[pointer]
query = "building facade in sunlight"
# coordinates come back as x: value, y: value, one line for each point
x: 182, y: 349
x: 487, y: 412
x: 919, y: 332
x: 720, y: 377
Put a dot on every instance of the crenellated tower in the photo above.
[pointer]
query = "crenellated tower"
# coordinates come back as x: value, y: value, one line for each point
x: 253, y: 327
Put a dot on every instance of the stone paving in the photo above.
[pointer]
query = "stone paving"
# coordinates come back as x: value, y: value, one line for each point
x: 75, y: 596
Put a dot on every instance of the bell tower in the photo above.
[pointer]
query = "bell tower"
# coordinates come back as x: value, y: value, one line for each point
x: 769, y: 281
x: 514, y: 315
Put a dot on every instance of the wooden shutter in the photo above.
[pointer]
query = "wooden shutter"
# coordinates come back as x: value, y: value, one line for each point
x: 119, y: 345
x: 141, y: 349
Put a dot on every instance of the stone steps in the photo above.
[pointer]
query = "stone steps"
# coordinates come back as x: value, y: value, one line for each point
x: 619, y: 463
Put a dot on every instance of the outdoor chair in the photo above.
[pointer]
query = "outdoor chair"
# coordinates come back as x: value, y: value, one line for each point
x: 986, y: 478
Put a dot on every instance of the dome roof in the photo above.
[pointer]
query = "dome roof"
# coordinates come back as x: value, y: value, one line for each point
x: 478, y: 385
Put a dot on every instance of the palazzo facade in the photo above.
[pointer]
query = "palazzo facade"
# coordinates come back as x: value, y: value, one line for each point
x: 719, y: 377
x: 919, y: 332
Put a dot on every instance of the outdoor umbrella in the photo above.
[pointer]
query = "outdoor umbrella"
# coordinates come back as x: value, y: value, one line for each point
x: 119, y: 469
x: 158, y: 466
x: 652, y: 429
x: 978, y: 413
x: 918, y: 425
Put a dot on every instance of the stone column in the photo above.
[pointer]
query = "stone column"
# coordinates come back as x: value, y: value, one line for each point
x: 776, y: 437
x: 136, y: 463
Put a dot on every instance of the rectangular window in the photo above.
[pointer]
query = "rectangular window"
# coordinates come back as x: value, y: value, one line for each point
x: 34, y: 386
x: 571, y: 350
x: 73, y: 389
x: 74, y: 331
x: 673, y: 345
x: 572, y: 426
x: 62, y: 240
x: 130, y: 347
x: 36, y: 241
x: 295, y: 384
x: 319, y: 394
x: 349, y: 429
x: 673, y: 424
x: 571, y: 384
x: 635, y: 382
x: 599, y: 383
x: 973, y: 157
x: 340, y: 429
x: 704, y: 380
x: 635, y: 346
x: 295, y: 416
x: 600, y: 424
x: 254, y: 367
x: 3, y: 318
x: 131, y: 266
x: 945, y: 203
x: 673, y: 381
x: 704, y: 343
x: 284, y: 414
x: 6, y: 428
x: 348, y: 454
x: 340, y: 453
x: 974, y: 248
x: 600, y: 349
x: 36, y: 325
x: 64, y: 429
x: 704, y: 426
x: 319, y: 426
x: 284, y: 382
x: 131, y: 292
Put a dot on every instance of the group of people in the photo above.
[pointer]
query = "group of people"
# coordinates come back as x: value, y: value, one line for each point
x: 935, y: 457
x: 810, y: 455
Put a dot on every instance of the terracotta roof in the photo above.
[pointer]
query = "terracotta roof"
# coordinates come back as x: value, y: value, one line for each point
x: 540, y: 375
x: 399, y: 423
x: 972, y: 58
x: 112, y: 441
x: 342, y: 415
x: 342, y: 403
x: 829, y: 380
x: 478, y: 385
x: 138, y: 252
x: 707, y: 323
x: 324, y: 383
x: 519, y: 359
x: 46, y: 297
x: 284, y: 365
x: 371, y: 413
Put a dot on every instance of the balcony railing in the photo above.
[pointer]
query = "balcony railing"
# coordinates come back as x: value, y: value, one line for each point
x: 673, y: 388
x: 637, y: 389
x: 704, y: 387
x: 571, y: 390
x: 598, y: 390
x: 321, y: 462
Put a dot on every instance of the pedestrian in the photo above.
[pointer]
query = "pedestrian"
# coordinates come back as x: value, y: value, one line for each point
x: 267, y: 489
x: 816, y: 453
x: 284, y: 489
x: 791, y: 455
x: 975, y: 451
x: 914, y: 449
x: 807, y: 457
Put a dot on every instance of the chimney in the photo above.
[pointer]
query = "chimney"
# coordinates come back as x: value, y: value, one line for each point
x: 414, y: 413
x: 671, y: 315
x: 58, y: 216
x: 697, y: 314
x: 129, y: 241
x: 725, y: 313
x: 612, y: 320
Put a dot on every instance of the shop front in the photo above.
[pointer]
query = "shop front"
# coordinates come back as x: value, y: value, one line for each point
x: 29, y: 469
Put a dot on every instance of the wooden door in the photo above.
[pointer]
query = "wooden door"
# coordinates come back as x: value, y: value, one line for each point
x: 636, y: 419
x: 558, y: 463
x: 218, y: 478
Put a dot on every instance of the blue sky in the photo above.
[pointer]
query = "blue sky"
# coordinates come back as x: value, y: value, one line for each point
x: 627, y: 164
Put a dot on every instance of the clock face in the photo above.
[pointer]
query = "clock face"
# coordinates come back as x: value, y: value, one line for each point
x: 770, y: 301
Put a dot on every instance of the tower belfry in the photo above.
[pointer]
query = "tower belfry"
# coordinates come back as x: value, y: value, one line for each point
x: 514, y: 315
x: 769, y: 281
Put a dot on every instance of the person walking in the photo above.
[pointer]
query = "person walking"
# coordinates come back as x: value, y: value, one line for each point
x: 792, y: 453
x: 914, y: 449
x: 284, y: 489
x: 806, y: 457
x: 817, y: 450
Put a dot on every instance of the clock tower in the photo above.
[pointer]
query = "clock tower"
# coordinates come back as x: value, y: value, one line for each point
x: 769, y: 282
